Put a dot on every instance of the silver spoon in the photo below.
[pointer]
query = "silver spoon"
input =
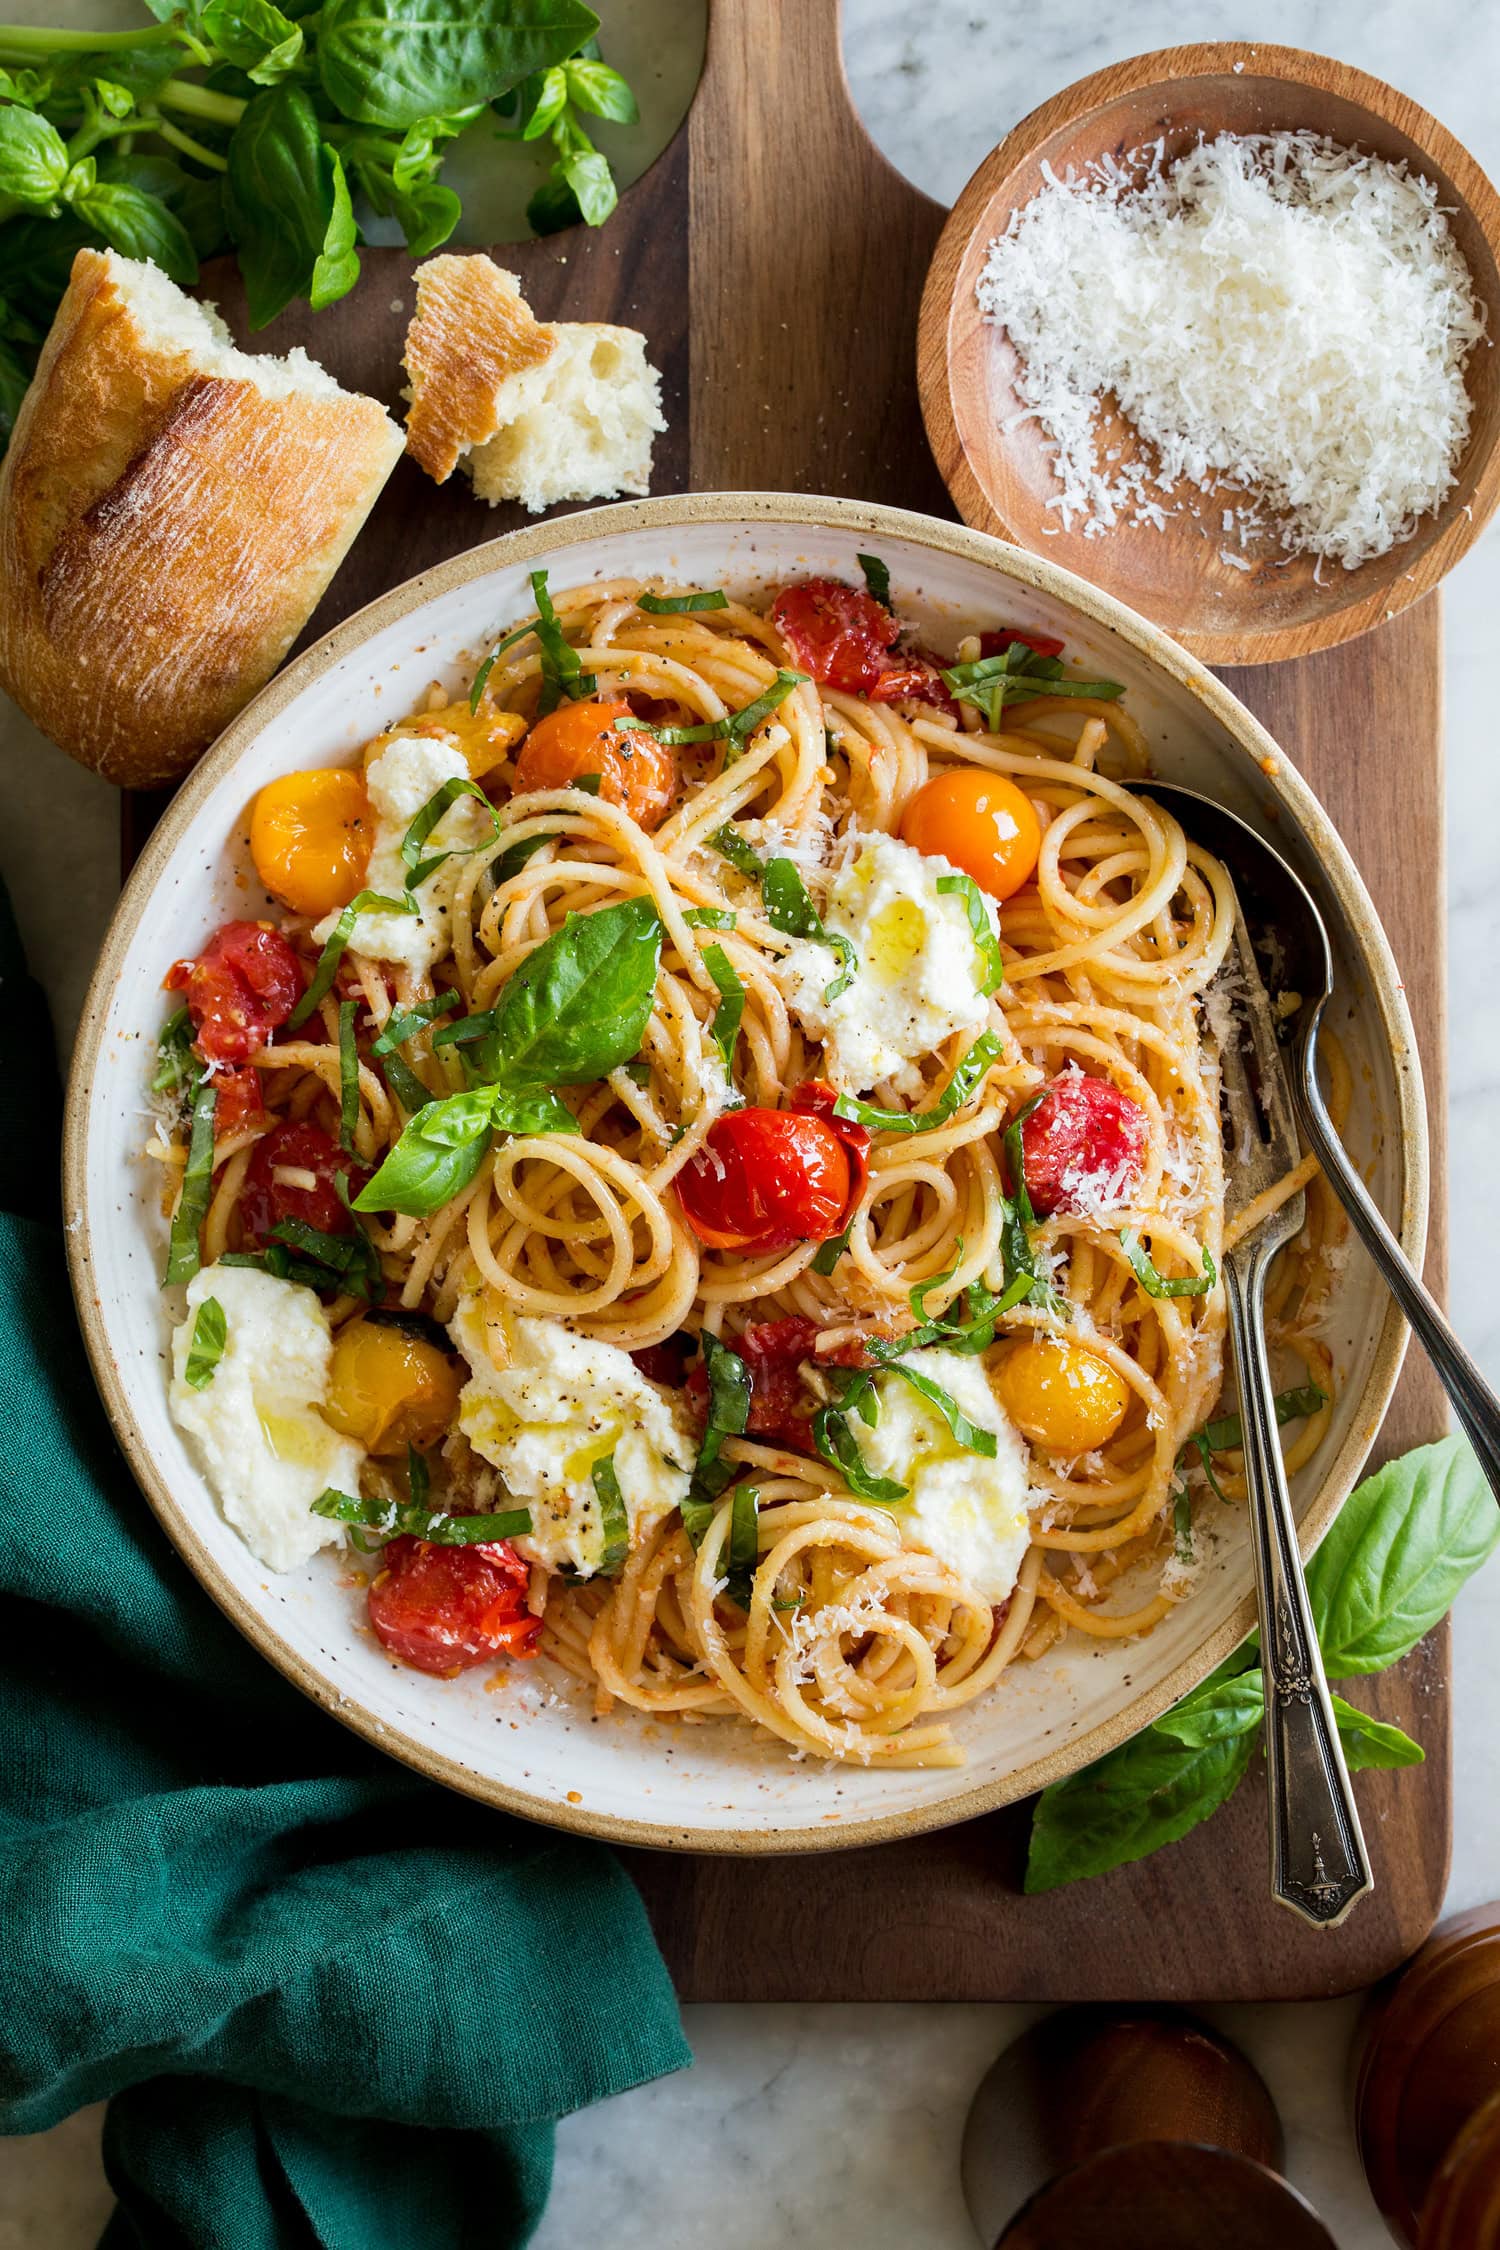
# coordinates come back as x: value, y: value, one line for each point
x: 1278, y: 903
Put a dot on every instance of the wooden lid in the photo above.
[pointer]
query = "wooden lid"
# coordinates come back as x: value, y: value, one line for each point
x: 1167, y: 2195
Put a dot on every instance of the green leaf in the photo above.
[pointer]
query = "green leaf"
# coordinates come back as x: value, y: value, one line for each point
x: 731, y: 845
x: 562, y: 673
x: 427, y: 213
x: 790, y: 910
x: 1217, y: 1711
x: 986, y: 936
x: 348, y: 1076
x: 515, y: 856
x: 968, y: 1434
x: 1226, y: 1435
x: 417, y: 868
x: 140, y: 226
x: 336, y: 267
x: 592, y: 184
x: 445, y: 1143
x: 255, y: 36
x: 877, y: 579
x: 594, y: 87
x: 389, y: 62
x: 548, y: 101
x: 409, y: 1021
x: 287, y: 206
x: 1017, y: 675
x: 578, y: 1006
x: 1149, y: 1792
x: 1369, y: 1742
x: 614, y: 1523
x: 1404, y: 1543
x: 726, y: 1023
x: 832, y: 1250
x: 436, y: 1526
x: 178, y: 1062
x: 33, y: 158
x: 206, y: 1348
x: 337, y: 943
x: 553, y: 206
x: 349, y: 1263
x: 711, y: 918
x: 727, y: 1415
x: 1156, y: 1284
x: 836, y: 1442
x: 184, y: 1255
x: 681, y: 605
x: 985, y: 1052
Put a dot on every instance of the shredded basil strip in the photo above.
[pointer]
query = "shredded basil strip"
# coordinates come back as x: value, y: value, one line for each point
x: 562, y: 670
x: 400, y: 1028
x: 711, y: 918
x: 742, y: 1547
x: 728, y: 1413
x: 1015, y: 1158
x: 731, y: 845
x: 589, y: 783
x: 210, y: 1334
x: 338, y: 939
x: 986, y: 936
x: 1018, y: 674
x: 968, y: 1434
x: 417, y: 868
x: 791, y: 911
x: 836, y: 1442
x: 184, y: 1252
x: 481, y: 677
x: 350, y: 1263
x: 726, y: 1023
x: 405, y: 1084
x: 735, y: 727
x: 830, y: 1252
x: 515, y: 856
x: 1155, y: 1284
x: 1182, y: 1524
x: 466, y: 1030
x: 877, y: 579
x: 434, y: 1525
x: 639, y: 1073
x: 1227, y: 1435
x: 614, y: 1523
x: 985, y: 1051
x: 178, y: 1063
x: 348, y: 1076
x: 681, y: 605
x: 418, y: 1477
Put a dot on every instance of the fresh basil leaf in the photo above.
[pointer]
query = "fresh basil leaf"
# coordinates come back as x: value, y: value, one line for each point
x: 391, y: 62
x: 726, y: 1023
x: 33, y: 157
x: 348, y: 1076
x: 731, y: 845
x: 437, y: 1527
x: 735, y: 728
x: 1227, y: 1434
x: 438, y: 1154
x: 531, y: 1109
x: 920, y: 1291
x: 405, y: 1025
x: 350, y: 1263
x: 404, y: 1084
x: 830, y: 1252
x: 681, y: 605
x: 1182, y: 1524
x: 1017, y: 675
x: 1217, y: 1713
x: 587, y: 175
x: 287, y: 205
x: 1370, y: 1742
x: 333, y: 951
x: 178, y: 1062
x: 515, y: 857
x: 790, y: 910
x: 838, y: 1445
x: 1015, y: 1164
x: 986, y: 936
x: 139, y: 226
x: 594, y: 87
x: 711, y: 918
x: 1157, y: 1285
x: 336, y: 266
x: 184, y: 1254
x: 427, y: 214
x: 562, y: 671
x: 614, y: 1523
x: 1149, y: 1792
x: 984, y: 1053
x: 1403, y: 1544
x: 418, y: 1479
x: 255, y: 36
x: 481, y: 677
x: 968, y: 1434
x: 578, y: 1006
x: 728, y: 1413
x: 206, y: 1347
x: 417, y: 868
x: 545, y: 99
x: 553, y: 207
x: 742, y: 1547
x: 877, y: 579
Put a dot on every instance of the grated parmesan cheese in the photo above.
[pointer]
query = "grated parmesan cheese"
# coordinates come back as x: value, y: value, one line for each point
x: 1275, y: 315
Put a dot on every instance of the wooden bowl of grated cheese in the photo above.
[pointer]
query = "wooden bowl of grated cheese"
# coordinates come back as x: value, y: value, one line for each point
x: 1214, y: 328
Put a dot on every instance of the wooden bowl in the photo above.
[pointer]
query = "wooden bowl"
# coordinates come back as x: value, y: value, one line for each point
x: 1001, y: 481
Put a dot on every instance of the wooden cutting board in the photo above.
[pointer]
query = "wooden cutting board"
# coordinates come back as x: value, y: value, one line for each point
x: 775, y: 262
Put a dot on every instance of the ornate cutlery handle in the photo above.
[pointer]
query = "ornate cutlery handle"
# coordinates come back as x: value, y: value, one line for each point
x: 1318, y: 1861
x: 1475, y: 1404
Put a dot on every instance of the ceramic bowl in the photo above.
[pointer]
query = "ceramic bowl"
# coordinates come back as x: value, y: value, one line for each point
x: 532, y: 1744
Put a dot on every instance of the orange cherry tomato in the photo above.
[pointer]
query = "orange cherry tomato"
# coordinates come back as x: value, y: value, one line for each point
x: 1061, y: 1396
x: 578, y: 739
x: 310, y: 838
x: 389, y: 1388
x: 981, y: 822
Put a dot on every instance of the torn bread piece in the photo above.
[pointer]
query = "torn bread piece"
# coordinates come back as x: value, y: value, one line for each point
x: 535, y: 411
x: 171, y: 510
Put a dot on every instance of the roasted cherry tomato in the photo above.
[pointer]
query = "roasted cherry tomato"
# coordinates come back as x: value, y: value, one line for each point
x: 767, y: 1178
x: 1059, y: 1395
x: 666, y: 1363
x: 835, y: 633
x: 981, y: 822
x: 773, y: 1351
x: 441, y: 1609
x: 310, y: 838
x: 578, y: 739
x: 914, y: 675
x: 240, y: 1099
x: 389, y: 1388
x: 244, y: 983
x: 1040, y: 644
x: 1085, y: 1142
x: 290, y: 1176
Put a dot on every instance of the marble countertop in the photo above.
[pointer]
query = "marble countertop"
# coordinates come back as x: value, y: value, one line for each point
x: 865, y: 2105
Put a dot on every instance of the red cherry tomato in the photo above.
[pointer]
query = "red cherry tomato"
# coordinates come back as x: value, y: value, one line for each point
x: 271, y: 1194
x: 239, y: 1101
x: 780, y: 1404
x: 1041, y: 644
x: 914, y: 675
x: 1084, y: 1141
x: 244, y: 983
x: 767, y: 1178
x: 835, y: 633
x: 441, y: 1609
x: 666, y: 1363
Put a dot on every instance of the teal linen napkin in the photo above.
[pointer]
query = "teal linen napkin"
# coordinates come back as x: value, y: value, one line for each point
x: 331, y: 2004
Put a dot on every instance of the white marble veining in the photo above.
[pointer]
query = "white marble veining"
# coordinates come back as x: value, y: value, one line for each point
x: 831, y: 2124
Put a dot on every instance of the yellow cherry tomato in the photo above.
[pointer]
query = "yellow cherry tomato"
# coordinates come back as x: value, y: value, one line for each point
x: 981, y: 822
x: 1061, y: 1396
x: 486, y: 736
x: 310, y: 838
x: 389, y: 1389
x: 578, y: 740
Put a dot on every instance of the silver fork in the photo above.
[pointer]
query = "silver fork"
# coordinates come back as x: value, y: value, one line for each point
x: 1319, y: 1866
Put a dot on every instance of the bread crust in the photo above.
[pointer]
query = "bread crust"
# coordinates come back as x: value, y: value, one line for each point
x: 472, y: 330
x: 165, y: 533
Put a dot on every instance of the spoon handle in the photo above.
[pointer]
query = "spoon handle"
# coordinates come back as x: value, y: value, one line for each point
x: 1318, y: 1862
x: 1474, y: 1402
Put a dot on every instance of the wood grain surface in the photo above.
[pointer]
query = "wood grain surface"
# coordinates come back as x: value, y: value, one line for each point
x: 775, y: 262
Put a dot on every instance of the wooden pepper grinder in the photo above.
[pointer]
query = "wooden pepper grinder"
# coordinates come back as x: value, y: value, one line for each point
x: 1427, y: 2090
x: 1129, y: 2129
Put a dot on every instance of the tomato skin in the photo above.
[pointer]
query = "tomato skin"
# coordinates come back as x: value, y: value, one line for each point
x: 310, y: 838
x: 767, y: 1178
x: 635, y: 771
x: 1084, y: 1137
x: 443, y: 1609
x: 914, y: 675
x: 835, y: 633
x: 265, y: 1201
x: 981, y: 822
x: 1040, y: 644
x: 239, y: 1101
x: 1059, y: 1395
x: 243, y: 985
x: 666, y: 1363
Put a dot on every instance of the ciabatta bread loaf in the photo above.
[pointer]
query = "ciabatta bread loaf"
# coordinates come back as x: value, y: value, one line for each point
x: 171, y: 510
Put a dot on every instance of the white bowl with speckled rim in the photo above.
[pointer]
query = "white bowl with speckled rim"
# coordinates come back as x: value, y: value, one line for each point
x: 533, y: 1745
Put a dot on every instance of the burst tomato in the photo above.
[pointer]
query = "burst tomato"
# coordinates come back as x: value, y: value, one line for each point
x: 835, y: 633
x: 766, y: 1178
x: 780, y: 1404
x: 277, y: 1178
x: 239, y: 1100
x: 1040, y: 644
x: 1084, y: 1143
x: 441, y: 1609
x: 979, y: 821
x: 581, y: 739
x: 666, y: 1363
x: 914, y: 675
x: 244, y: 983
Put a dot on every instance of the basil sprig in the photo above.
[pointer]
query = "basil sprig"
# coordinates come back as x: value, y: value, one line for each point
x: 435, y: 1525
x: 728, y: 1415
x: 206, y: 1345
x: 417, y: 868
x: 367, y: 902
x: 877, y: 579
x: 1158, y: 1285
x: 1405, y: 1542
x: 986, y: 1051
x: 614, y: 1521
x: 681, y: 605
x: 1019, y: 675
x: 790, y: 910
x: 575, y: 1009
x: 731, y: 845
x: 184, y: 1253
x: 726, y: 1023
x: 986, y: 937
